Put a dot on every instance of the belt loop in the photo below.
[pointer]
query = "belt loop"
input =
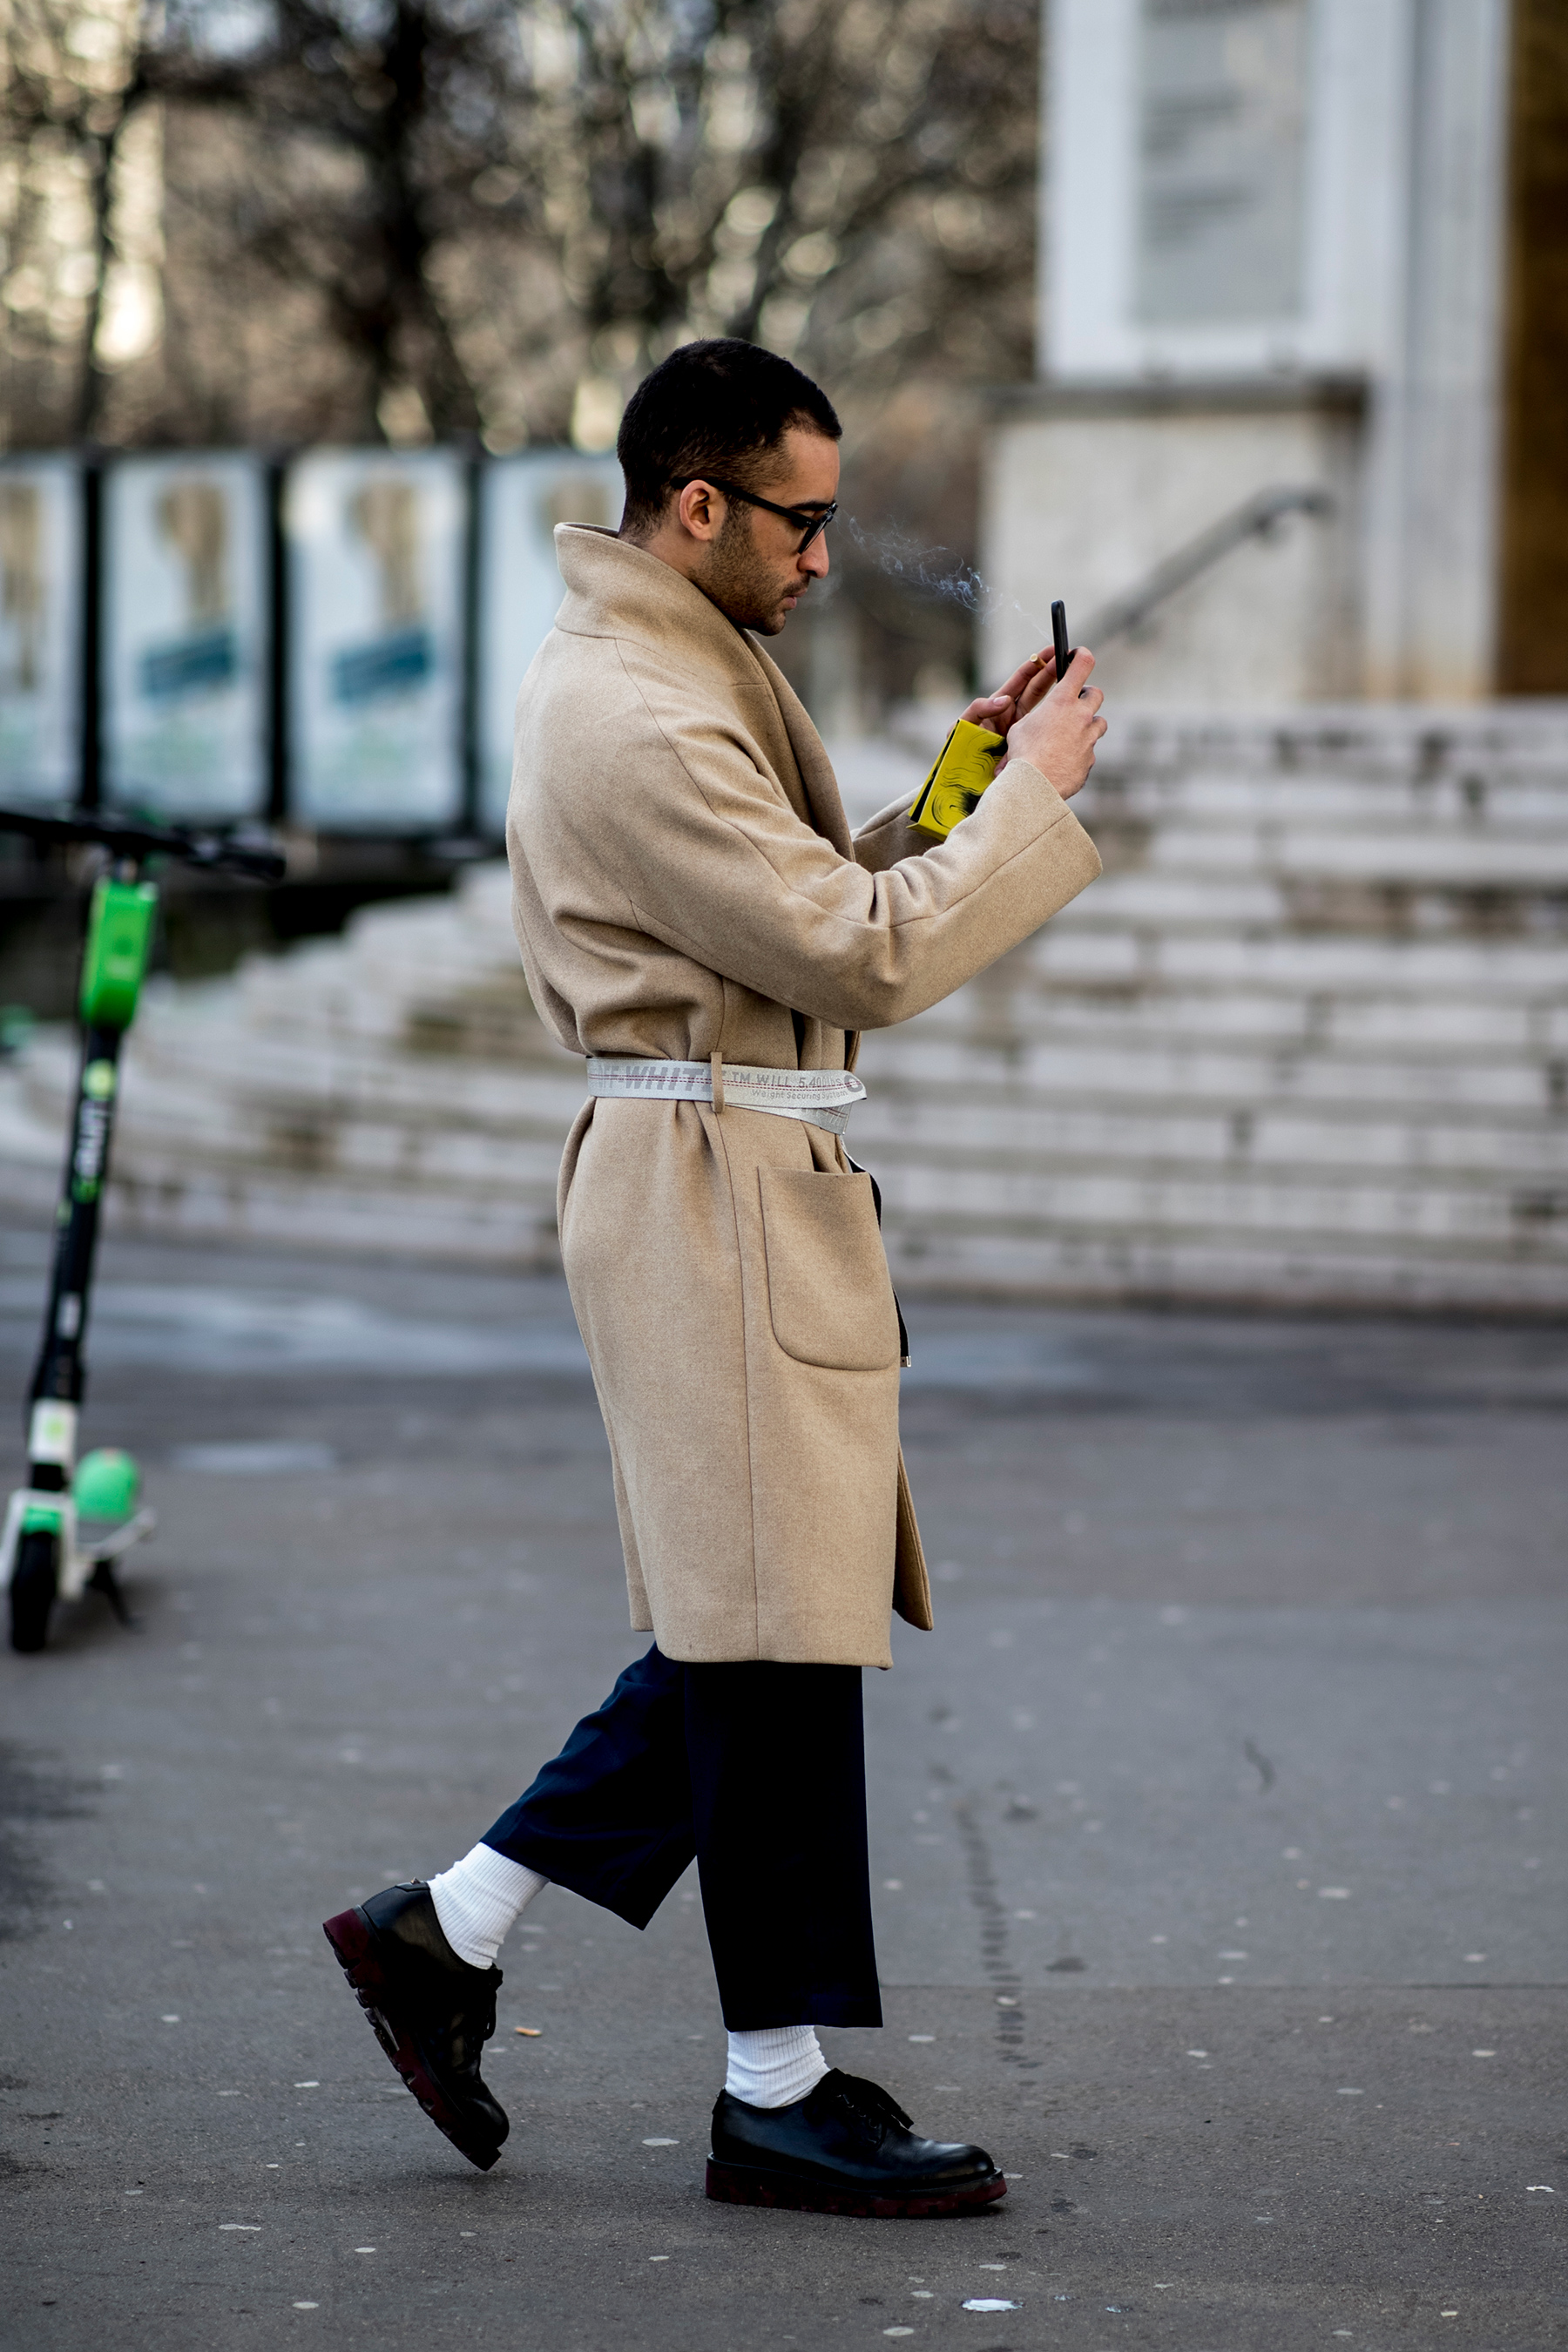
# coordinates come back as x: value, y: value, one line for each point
x: 715, y: 1064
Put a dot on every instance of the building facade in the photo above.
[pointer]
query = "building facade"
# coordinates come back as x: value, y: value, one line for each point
x: 1300, y: 429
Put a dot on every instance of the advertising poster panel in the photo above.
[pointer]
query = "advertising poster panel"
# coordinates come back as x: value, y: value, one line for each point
x: 40, y: 629
x: 375, y: 553
x: 186, y: 623
x: 522, y: 499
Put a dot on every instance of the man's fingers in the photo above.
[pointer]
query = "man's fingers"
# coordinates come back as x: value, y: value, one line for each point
x: 1025, y: 674
x: 1077, y: 672
x: 1059, y: 723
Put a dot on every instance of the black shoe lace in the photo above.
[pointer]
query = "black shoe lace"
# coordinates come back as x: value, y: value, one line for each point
x: 868, y: 2099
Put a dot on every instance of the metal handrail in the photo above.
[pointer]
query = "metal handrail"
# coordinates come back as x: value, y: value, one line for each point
x: 1257, y: 519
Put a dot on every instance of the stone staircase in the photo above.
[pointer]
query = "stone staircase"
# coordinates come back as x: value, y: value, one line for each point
x: 1306, y: 1042
x: 392, y: 1090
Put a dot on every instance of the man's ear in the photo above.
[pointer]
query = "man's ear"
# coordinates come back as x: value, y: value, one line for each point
x: 694, y: 510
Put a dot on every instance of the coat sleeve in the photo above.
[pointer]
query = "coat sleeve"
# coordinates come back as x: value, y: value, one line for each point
x: 888, y: 837
x: 714, y: 862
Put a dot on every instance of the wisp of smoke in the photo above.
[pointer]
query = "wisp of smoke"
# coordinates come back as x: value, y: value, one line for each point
x: 934, y: 572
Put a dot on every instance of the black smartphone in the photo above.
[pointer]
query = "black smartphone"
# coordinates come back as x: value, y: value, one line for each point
x: 1059, y: 638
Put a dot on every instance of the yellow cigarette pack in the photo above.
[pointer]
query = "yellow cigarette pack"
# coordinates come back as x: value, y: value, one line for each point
x: 964, y: 766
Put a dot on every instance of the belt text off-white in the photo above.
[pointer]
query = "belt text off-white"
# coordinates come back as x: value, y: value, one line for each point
x: 821, y: 1098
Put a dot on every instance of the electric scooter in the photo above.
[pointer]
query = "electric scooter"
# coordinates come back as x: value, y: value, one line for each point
x: 65, y: 1530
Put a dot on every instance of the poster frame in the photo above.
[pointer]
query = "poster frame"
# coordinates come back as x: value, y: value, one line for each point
x: 79, y: 670
x: 294, y: 715
x: 495, y: 678
x: 258, y: 596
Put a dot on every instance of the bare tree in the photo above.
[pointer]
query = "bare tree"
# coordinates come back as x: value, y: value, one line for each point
x: 779, y: 168
x: 70, y: 89
x: 420, y: 217
x: 351, y: 138
x: 509, y: 214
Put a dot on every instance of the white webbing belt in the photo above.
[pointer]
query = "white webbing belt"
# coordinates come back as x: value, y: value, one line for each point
x: 821, y: 1098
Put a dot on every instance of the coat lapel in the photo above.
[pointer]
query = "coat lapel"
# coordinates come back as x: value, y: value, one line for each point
x: 817, y: 779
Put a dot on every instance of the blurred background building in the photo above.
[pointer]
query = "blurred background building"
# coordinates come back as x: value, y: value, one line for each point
x: 1309, y: 251
x: 1241, y: 324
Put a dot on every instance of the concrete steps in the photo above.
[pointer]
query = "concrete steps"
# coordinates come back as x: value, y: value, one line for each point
x: 392, y: 1091
x: 1307, y: 1041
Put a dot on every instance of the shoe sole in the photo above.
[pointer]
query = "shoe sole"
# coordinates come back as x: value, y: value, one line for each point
x: 353, y: 1939
x: 746, y: 2184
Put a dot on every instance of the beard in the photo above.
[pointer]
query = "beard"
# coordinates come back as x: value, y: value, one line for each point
x: 746, y: 586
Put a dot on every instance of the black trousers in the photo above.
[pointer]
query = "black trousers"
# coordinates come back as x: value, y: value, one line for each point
x: 759, y: 1771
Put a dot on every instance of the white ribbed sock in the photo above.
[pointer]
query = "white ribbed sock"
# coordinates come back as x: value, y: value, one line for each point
x: 775, y: 2065
x: 478, y: 1900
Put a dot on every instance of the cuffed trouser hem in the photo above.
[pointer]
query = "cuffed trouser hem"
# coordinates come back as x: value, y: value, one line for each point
x: 759, y: 2010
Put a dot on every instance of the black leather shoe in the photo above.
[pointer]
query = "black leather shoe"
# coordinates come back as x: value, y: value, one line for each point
x: 432, y: 2012
x: 845, y: 2148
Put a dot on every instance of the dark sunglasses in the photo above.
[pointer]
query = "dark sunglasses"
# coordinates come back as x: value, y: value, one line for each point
x: 812, y: 524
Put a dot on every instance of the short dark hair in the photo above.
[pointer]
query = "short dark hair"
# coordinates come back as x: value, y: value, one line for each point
x: 723, y: 406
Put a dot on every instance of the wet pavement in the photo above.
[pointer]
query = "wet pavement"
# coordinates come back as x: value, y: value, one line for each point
x: 1217, y: 1839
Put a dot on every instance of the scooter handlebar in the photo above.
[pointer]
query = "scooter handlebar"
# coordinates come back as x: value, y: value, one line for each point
x: 215, y: 851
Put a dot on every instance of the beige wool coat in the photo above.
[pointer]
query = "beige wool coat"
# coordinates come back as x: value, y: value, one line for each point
x: 685, y: 884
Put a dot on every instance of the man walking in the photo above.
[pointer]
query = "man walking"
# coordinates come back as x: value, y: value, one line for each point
x: 696, y: 920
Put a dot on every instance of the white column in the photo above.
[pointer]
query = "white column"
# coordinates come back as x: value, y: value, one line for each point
x: 1434, y: 457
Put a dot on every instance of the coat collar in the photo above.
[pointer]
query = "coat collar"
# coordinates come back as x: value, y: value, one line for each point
x: 614, y: 589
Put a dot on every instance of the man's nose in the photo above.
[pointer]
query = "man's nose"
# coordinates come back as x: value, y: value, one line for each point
x: 815, y: 558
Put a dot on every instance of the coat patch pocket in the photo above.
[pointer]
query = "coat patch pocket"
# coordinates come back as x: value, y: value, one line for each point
x: 828, y: 1291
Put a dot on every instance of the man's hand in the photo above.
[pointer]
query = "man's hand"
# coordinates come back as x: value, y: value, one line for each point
x: 997, y: 711
x: 1056, y: 726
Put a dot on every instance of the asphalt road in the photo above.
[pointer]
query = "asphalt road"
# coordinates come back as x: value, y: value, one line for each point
x: 1218, y: 1840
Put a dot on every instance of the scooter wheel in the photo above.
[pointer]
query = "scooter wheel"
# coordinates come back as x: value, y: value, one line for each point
x: 35, y: 1580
